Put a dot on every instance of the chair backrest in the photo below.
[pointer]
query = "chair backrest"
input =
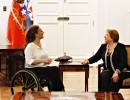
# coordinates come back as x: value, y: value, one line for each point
x: 128, y: 53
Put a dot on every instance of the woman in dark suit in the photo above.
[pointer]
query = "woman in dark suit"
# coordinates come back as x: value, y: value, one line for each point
x: 114, y: 56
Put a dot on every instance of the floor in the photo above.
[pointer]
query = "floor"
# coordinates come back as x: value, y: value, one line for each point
x: 92, y: 86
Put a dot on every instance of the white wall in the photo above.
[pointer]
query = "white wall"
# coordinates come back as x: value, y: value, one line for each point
x: 4, y: 20
x: 110, y: 14
x: 115, y: 14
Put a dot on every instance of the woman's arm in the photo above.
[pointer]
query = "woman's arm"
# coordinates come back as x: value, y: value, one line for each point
x: 122, y: 63
x: 98, y: 55
x: 30, y: 58
x: 123, y: 58
x: 46, y: 61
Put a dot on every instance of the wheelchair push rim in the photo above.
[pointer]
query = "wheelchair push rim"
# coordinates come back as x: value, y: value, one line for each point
x: 24, y: 80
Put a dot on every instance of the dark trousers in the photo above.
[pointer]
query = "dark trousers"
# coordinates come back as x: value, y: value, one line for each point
x: 51, y: 73
x: 106, y: 83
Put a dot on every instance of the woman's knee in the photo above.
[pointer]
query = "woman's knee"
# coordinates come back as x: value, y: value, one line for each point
x: 106, y: 75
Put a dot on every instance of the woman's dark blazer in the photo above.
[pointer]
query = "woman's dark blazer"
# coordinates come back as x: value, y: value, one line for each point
x: 119, y: 57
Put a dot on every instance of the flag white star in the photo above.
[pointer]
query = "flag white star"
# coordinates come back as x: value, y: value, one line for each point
x: 24, y: 12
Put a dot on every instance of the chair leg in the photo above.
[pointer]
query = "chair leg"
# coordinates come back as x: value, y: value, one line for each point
x: 99, y: 69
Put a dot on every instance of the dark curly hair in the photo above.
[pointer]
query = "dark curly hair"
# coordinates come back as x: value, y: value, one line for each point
x: 31, y: 33
x: 19, y: 1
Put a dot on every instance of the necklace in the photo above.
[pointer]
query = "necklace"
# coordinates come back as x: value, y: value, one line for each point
x: 110, y: 48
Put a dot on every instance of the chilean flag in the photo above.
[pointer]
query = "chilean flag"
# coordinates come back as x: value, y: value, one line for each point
x: 19, y: 21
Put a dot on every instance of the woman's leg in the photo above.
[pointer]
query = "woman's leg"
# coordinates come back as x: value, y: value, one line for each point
x: 54, y: 76
x: 104, y: 80
x: 51, y: 74
x: 115, y: 86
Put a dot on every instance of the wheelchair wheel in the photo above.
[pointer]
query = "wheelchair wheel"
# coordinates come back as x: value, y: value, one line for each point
x: 25, y: 80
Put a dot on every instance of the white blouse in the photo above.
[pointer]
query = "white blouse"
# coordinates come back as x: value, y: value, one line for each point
x: 33, y: 52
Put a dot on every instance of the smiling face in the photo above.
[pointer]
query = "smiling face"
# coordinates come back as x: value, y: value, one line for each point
x: 108, y: 38
x: 112, y: 35
x: 40, y: 33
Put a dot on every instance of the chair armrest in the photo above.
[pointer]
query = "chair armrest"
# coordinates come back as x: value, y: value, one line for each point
x: 100, y: 65
x: 100, y: 68
x: 99, y: 72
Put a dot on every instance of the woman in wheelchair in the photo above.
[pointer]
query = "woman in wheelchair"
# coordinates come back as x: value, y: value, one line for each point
x: 36, y: 59
x: 114, y: 56
x: 36, y: 75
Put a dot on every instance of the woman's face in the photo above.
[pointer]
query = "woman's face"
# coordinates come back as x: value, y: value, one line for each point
x: 40, y: 33
x: 107, y: 37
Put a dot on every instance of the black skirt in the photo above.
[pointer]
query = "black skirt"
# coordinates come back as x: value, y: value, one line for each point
x: 50, y: 73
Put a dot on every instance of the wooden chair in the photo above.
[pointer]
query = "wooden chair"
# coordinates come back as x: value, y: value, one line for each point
x: 126, y: 82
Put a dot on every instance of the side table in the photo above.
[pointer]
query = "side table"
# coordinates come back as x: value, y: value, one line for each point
x: 71, y: 66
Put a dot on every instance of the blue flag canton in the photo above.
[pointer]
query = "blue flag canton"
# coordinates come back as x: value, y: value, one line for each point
x: 27, y: 11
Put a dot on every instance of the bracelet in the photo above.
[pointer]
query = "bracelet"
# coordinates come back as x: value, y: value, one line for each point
x: 118, y: 70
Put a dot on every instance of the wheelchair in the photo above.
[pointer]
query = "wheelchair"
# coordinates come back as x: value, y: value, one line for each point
x: 26, y: 80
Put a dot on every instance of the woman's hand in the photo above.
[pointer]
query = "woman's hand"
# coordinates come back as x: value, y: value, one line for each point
x: 48, y: 61
x: 85, y: 62
x: 115, y: 76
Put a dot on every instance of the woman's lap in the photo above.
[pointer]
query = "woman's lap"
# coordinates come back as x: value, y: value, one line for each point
x: 51, y: 73
x: 107, y: 84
